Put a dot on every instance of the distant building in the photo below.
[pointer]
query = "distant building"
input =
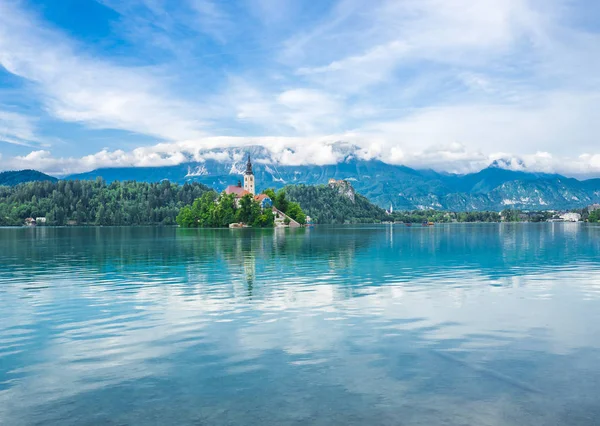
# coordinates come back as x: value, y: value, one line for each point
x: 41, y: 220
x: 335, y: 182
x: 30, y: 221
x: 391, y: 210
x: 571, y: 217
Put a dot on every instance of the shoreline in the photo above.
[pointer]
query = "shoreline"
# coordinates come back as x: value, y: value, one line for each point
x: 411, y: 225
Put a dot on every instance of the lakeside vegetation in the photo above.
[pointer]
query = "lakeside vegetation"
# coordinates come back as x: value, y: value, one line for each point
x: 217, y: 211
x: 93, y: 203
x: 214, y: 210
x: 507, y: 215
x: 327, y: 204
x: 96, y: 202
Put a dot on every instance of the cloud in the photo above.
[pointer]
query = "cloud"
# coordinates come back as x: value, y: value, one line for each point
x: 451, y: 157
x: 18, y: 129
x: 426, y: 83
x: 212, y: 19
x: 79, y: 88
x: 161, y: 21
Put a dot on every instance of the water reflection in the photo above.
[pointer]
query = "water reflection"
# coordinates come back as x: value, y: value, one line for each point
x: 475, y: 324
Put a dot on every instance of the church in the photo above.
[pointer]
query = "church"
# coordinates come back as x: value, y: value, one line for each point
x: 249, y: 187
x: 249, y: 184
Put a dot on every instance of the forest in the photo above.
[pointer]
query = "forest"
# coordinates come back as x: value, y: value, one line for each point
x: 95, y: 202
x: 327, y: 205
x: 216, y: 211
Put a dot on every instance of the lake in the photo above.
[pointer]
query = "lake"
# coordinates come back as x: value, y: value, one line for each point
x: 482, y: 324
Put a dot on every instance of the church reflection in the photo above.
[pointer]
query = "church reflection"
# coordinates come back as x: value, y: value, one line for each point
x: 250, y: 259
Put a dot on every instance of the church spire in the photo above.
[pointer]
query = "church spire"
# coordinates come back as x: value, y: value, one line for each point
x: 249, y: 166
x: 249, y: 178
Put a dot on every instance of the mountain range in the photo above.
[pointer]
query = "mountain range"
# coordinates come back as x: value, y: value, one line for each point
x: 404, y: 188
x: 493, y: 188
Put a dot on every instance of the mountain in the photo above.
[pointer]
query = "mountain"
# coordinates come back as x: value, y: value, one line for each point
x: 493, y: 188
x: 16, y: 177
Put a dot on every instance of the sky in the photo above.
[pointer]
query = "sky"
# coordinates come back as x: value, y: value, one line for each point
x: 445, y: 84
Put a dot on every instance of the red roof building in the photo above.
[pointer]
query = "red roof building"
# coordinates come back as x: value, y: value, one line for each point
x: 237, y: 190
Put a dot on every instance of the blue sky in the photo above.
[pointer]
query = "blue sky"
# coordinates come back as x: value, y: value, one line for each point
x: 447, y: 84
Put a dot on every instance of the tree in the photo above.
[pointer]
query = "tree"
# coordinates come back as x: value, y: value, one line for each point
x: 225, y: 211
x: 270, y: 192
x: 265, y: 220
x: 295, y: 212
x: 249, y: 210
x: 281, y: 201
x: 101, y: 216
x: 186, y: 218
x: 80, y: 215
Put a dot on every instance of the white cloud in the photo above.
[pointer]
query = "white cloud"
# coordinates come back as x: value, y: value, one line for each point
x: 426, y: 83
x: 18, y: 129
x: 451, y: 157
x: 211, y: 19
x: 79, y: 88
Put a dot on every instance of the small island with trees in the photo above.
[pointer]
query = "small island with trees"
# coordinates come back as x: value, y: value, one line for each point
x: 239, y: 207
x: 214, y: 210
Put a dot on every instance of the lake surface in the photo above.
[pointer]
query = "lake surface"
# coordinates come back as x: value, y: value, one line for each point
x: 375, y: 325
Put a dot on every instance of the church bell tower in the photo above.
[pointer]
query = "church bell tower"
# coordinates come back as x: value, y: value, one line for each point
x: 249, y: 178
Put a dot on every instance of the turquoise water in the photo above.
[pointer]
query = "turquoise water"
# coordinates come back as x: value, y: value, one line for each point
x: 373, y: 325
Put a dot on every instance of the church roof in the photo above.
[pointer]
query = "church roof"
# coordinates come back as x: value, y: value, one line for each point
x: 237, y: 190
x: 261, y: 197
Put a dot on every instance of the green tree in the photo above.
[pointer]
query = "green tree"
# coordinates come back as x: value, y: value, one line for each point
x: 295, y: 212
x: 265, y: 219
x: 281, y: 201
x: 101, y: 216
x: 249, y: 210
x: 225, y: 211
x: 80, y: 213
x: 270, y: 192
x: 186, y: 218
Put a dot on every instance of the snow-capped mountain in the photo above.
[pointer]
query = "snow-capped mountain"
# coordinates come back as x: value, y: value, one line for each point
x: 494, y: 188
